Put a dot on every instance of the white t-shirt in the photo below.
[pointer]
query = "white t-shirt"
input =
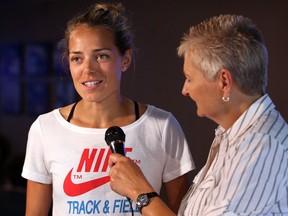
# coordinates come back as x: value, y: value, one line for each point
x: 75, y: 160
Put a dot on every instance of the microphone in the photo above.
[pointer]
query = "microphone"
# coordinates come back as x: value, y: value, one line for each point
x: 115, y: 139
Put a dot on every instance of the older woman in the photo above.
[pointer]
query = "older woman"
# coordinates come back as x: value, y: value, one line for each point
x: 225, y: 65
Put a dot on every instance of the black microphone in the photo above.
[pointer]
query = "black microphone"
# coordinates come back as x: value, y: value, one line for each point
x: 115, y: 139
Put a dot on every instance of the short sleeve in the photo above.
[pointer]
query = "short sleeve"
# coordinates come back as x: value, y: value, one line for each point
x: 178, y: 156
x: 34, y: 167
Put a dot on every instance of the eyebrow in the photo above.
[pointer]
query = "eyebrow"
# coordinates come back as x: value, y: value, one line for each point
x: 95, y: 50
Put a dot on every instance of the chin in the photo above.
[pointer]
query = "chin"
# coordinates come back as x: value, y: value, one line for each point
x: 200, y: 114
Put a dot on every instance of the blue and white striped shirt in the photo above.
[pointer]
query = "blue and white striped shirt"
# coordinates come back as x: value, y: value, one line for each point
x: 249, y: 175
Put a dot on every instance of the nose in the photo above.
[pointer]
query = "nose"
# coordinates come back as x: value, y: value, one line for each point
x: 90, y: 66
x: 184, y: 91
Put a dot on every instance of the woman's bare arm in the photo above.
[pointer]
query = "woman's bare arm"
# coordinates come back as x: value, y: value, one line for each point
x: 176, y: 190
x: 38, y: 200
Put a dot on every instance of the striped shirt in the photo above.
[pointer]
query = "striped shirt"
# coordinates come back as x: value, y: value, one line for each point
x: 249, y: 174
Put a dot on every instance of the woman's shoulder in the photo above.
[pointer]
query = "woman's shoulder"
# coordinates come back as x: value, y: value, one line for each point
x: 159, y: 114
x: 157, y: 110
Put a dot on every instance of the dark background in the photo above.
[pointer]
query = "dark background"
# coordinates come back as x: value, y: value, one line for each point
x: 157, y: 78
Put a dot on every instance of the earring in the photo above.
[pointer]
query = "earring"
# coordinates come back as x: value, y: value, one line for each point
x: 124, y: 69
x: 226, y: 98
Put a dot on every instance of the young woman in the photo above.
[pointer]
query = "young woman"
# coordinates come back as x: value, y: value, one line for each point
x: 67, y: 156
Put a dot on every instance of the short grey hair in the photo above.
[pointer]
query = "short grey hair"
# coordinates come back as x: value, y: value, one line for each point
x: 230, y: 42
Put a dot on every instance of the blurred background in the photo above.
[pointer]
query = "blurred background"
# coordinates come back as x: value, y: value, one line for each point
x: 32, y: 82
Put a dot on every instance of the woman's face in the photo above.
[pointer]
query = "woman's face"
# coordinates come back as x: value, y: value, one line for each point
x: 95, y: 63
x: 205, y: 93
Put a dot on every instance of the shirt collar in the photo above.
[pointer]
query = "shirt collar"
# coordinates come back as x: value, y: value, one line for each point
x: 260, y: 106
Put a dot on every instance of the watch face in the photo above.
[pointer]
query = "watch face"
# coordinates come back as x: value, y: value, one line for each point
x: 142, y: 200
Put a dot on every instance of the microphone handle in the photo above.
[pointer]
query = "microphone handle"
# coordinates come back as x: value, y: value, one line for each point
x: 117, y: 146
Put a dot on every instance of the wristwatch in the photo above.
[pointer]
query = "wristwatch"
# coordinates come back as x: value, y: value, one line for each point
x: 144, y: 199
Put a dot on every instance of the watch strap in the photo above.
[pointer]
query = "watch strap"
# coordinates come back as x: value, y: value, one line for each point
x: 151, y: 194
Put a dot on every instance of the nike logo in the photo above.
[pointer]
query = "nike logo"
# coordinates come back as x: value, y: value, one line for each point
x: 92, y: 160
x: 72, y: 189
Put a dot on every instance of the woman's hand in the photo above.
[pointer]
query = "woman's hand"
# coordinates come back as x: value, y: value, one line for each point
x: 126, y: 178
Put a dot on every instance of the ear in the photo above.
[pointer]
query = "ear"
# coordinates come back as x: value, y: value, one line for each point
x: 225, y: 81
x: 126, y: 60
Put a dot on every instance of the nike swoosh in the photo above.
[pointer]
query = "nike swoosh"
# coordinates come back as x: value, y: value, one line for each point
x: 72, y: 189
